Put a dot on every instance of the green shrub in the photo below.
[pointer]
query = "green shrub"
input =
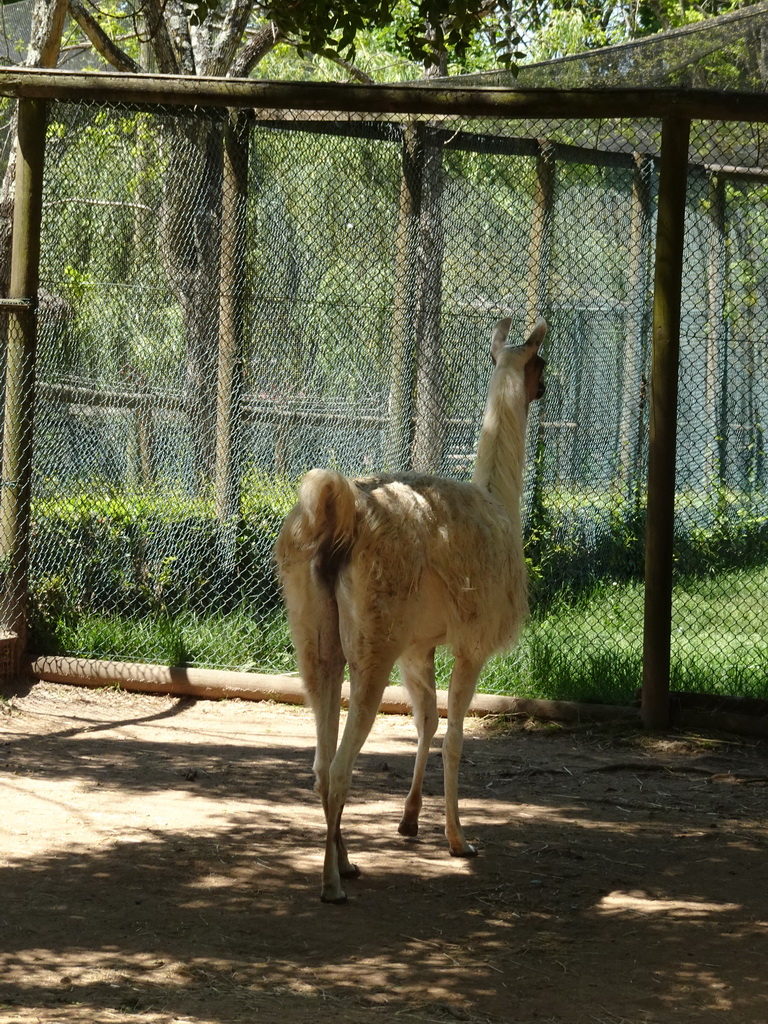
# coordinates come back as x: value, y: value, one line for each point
x: 146, y: 555
x: 151, y: 575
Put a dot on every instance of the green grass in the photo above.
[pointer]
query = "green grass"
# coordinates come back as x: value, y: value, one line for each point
x: 237, y: 641
x: 132, y: 573
x: 719, y: 634
x: 588, y: 648
x: 591, y: 649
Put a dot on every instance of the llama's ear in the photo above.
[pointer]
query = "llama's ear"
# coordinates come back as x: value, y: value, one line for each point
x: 536, y: 337
x: 499, y: 338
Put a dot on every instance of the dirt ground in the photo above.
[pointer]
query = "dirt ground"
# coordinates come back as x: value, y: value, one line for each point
x: 160, y: 863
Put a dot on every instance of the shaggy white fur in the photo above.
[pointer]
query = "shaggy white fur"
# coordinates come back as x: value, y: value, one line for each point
x: 384, y: 569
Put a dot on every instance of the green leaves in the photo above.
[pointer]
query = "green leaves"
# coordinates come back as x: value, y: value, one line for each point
x: 424, y: 30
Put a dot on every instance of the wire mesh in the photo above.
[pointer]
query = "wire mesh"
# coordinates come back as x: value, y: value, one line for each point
x: 719, y: 637
x: 228, y: 303
x: 721, y: 54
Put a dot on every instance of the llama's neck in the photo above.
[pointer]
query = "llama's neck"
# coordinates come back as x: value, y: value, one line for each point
x: 501, y: 445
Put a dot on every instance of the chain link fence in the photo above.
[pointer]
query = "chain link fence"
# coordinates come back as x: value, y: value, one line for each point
x: 230, y: 300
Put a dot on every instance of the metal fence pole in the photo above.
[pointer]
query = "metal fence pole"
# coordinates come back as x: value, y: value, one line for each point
x: 20, y: 372
x: 673, y: 173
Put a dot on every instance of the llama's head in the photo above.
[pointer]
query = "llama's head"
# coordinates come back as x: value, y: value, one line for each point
x: 524, y: 359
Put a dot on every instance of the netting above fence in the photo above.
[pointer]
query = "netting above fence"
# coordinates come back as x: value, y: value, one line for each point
x: 230, y: 301
x: 725, y: 54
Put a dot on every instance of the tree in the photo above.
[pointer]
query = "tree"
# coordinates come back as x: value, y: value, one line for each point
x: 557, y: 28
x: 233, y: 38
x: 228, y: 39
x: 48, y: 20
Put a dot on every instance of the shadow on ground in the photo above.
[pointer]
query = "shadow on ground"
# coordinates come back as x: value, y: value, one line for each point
x: 160, y: 862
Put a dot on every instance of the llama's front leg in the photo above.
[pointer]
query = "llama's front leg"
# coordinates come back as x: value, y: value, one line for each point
x: 419, y: 679
x: 336, y: 864
x: 460, y: 693
x: 365, y: 698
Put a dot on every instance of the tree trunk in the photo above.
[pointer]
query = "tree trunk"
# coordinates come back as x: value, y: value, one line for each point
x: 537, y: 297
x: 190, y: 246
x: 19, y: 277
x: 231, y: 316
x: 399, y: 436
x: 43, y: 52
x: 714, y: 460
x: 540, y: 247
x: 19, y: 396
x: 634, y: 383
x: 429, y: 439
x: 747, y: 461
x: 429, y: 429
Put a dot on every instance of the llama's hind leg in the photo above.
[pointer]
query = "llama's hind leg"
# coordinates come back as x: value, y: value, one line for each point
x: 325, y: 700
x: 419, y: 679
x: 366, y: 689
x: 314, y: 619
x: 320, y: 658
x: 323, y: 686
x: 460, y: 693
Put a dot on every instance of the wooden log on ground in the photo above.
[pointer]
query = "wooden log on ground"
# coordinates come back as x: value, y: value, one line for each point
x: 220, y: 685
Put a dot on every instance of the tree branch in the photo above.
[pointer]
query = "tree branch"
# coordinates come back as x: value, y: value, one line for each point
x: 178, y: 22
x: 100, y: 41
x: 229, y: 38
x: 44, y: 47
x: 255, y: 50
x: 165, y: 55
x: 354, y: 72
x: 659, y: 10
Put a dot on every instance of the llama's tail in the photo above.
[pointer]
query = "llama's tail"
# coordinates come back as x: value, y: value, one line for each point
x: 323, y: 524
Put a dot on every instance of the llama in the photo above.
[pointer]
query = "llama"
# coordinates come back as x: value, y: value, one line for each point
x: 386, y: 568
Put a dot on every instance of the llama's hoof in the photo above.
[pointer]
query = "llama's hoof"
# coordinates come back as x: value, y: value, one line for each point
x: 468, y: 851
x: 333, y: 897
x: 409, y: 829
x: 350, y: 871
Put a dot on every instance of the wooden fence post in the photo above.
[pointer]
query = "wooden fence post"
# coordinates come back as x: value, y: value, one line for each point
x: 673, y: 175
x: 20, y: 366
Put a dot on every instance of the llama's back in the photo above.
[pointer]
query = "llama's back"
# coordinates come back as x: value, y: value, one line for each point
x: 453, y: 561
x: 415, y: 558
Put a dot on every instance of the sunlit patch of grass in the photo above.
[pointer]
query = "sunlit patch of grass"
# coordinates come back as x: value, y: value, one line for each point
x: 236, y: 641
x: 591, y: 648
